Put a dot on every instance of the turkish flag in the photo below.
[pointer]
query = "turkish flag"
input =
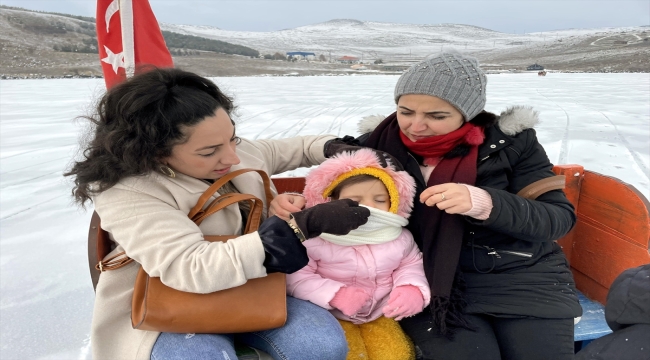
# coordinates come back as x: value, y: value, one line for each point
x: 128, y: 37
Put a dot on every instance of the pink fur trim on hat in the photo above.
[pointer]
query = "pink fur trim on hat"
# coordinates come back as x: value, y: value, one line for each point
x: 321, y: 177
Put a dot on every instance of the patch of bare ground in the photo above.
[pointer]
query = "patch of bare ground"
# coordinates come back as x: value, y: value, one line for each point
x: 625, y: 52
x: 212, y: 64
x: 29, y: 62
x: 33, y: 62
x: 34, y: 45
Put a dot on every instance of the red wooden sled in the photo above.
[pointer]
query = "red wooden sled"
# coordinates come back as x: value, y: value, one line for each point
x: 612, y: 234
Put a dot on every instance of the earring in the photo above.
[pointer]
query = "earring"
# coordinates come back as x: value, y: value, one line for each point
x: 167, y: 171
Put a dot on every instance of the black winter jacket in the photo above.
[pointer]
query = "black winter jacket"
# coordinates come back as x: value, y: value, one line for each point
x: 511, y: 265
x: 628, y: 314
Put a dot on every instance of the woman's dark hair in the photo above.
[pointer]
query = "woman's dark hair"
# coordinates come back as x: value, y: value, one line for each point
x: 138, y: 122
x: 357, y: 179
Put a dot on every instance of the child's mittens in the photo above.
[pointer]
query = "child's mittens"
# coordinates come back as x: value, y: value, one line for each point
x: 404, y: 301
x: 350, y: 300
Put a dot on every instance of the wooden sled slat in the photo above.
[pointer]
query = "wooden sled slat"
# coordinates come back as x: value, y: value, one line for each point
x: 602, y: 256
x: 618, y: 206
x: 612, y: 232
x: 289, y: 184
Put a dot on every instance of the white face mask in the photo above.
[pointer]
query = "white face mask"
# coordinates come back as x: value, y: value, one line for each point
x: 382, y: 227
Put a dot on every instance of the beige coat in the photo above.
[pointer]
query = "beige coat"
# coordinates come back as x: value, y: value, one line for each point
x: 147, y: 217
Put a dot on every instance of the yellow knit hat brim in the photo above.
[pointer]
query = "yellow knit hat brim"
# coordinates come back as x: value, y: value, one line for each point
x: 372, y: 171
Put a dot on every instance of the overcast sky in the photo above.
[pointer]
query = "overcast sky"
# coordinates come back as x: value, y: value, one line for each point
x: 516, y: 16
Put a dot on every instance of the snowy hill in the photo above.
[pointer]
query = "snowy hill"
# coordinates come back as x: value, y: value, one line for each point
x: 32, y: 46
x: 351, y: 37
x: 390, y: 40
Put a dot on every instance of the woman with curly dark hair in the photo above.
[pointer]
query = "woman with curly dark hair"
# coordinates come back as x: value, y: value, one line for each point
x: 160, y: 139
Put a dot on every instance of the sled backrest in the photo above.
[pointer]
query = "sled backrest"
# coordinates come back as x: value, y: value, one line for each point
x: 612, y: 232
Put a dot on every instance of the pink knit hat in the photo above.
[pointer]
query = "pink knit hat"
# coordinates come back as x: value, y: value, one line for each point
x: 320, y: 182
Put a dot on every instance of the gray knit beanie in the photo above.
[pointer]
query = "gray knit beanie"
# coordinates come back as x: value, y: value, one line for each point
x: 453, y: 77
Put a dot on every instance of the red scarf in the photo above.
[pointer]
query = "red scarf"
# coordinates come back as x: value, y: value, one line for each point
x: 434, y: 147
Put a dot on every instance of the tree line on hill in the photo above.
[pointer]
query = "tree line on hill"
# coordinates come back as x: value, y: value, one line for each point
x: 180, y: 41
x: 178, y: 44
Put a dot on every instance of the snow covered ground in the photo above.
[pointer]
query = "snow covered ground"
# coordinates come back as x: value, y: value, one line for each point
x: 601, y: 121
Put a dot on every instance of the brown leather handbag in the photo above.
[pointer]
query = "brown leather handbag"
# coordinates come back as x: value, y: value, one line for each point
x: 259, y: 304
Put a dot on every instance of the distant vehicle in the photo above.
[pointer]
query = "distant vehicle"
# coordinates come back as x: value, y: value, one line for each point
x: 535, y: 67
x: 542, y: 73
x: 348, y: 59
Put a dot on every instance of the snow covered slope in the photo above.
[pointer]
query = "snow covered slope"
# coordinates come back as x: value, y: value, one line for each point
x: 384, y: 40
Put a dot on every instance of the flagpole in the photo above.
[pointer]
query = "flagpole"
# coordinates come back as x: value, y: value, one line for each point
x: 128, y: 43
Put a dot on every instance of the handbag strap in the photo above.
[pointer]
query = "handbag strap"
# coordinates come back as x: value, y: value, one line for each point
x: 254, y: 216
x: 197, y: 215
x: 539, y: 187
x: 223, y: 180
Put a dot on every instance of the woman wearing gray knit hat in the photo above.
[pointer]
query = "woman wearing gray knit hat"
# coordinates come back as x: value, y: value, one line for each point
x: 501, y: 287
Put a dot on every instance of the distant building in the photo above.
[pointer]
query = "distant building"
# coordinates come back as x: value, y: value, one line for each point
x: 304, y: 54
x: 536, y: 67
x: 348, y: 60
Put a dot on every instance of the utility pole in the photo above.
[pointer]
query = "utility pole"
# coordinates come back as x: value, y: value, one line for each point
x: 330, y: 51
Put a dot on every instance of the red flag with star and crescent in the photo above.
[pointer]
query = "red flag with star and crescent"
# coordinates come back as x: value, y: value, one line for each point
x: 128, y: 37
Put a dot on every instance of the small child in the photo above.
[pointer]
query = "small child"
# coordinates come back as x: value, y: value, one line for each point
x: 374, y: 274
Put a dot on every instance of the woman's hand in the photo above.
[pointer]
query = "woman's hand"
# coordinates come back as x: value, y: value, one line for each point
x: 285, y: 204
x: 450, y: 197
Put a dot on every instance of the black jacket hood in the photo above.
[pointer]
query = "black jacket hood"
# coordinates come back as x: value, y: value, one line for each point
x: 628, y: 300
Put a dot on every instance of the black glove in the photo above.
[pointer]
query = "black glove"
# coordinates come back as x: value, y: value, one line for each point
x: 339, y: 145
x: 337, y: 217
x: 283, y: 251
x: 350, y: 144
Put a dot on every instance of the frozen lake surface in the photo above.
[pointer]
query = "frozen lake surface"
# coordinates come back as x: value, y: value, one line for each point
x: 601, y: 121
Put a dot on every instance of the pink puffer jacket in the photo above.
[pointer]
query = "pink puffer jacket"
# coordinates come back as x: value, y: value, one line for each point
x: 377, y: 268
